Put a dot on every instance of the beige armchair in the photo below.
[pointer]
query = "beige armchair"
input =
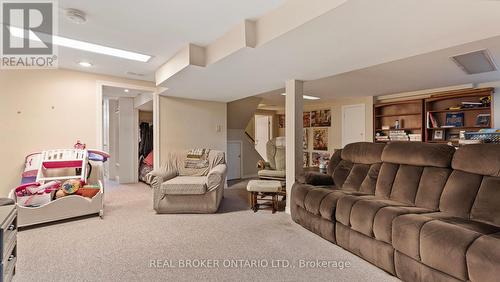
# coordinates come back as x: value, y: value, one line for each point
x: 274, y: 168
x: 180, y: 190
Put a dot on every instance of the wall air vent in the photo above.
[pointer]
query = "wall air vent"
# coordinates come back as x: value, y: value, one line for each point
x: 475, y: 62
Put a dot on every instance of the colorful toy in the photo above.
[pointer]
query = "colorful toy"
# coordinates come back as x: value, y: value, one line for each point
x: 35, y: 194
x: 71, y: 186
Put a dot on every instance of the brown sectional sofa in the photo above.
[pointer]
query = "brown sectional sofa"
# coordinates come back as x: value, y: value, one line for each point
x: 422, y: 212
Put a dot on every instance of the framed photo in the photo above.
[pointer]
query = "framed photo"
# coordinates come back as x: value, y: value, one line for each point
x: 483, y: 120
x: 305, y: 140
x: 281, y: 121
x: 306, y: 117
x: 321, y: 118
x: 317, y: 158
x: 438, y: 134
x: 320, y: 139
x: 306, y: 159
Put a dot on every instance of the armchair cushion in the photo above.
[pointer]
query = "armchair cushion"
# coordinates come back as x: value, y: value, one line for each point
x: 216, y: 177
x: 271, y: 173
x: 185, y: 185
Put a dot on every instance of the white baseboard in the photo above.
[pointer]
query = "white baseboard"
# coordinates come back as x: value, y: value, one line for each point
x: 250, y: 176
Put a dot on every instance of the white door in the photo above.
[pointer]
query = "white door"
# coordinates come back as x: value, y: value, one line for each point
x: 233, y: 160
x: 353, y: 124
x: 262, y: 125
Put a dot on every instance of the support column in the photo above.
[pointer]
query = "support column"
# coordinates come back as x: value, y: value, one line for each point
x: 294, y: 134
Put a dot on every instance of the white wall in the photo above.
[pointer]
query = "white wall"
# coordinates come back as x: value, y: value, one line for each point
x: 186, y: 124
x: 127, y: 125
x: 45, y: 109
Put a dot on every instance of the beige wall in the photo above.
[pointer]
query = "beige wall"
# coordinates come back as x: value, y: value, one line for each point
x: 45, y: 109
x: 186, y: 124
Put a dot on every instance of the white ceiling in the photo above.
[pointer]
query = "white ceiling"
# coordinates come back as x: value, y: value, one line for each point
x: 155, y: 27
x: 117, y: 92
x: 356, y: 35
x: 426, y: 71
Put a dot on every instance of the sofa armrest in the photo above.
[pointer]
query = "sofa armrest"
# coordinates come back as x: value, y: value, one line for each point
x: 317, y: 179
x: 158, y: 176
x: 216, y: 177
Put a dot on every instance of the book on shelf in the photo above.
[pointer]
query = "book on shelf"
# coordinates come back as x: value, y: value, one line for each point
x: 431, y: 121
x: 398, y: 135
x: 415, y: 137
x: 455, y: 119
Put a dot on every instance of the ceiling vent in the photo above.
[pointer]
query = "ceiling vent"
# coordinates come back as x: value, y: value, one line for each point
x: 475, y: 62
x: 134, y: 73
x: 75, y: 16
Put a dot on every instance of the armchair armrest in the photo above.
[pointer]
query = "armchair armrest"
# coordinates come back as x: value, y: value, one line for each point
x: 158, y: 176
x: 317, y: 178
x: 216, y: 177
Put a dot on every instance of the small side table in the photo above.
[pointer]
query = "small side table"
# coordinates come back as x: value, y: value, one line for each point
x: 264, y: 189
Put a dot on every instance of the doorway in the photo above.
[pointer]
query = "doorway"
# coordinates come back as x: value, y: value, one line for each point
x: 125, y: 112
x: 263, y: 125
x: 234, y: 162
x: 353, y: 124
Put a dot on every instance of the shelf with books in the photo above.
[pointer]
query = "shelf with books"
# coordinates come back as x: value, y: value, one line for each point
x: 407, y: 116
x: 447, y: 115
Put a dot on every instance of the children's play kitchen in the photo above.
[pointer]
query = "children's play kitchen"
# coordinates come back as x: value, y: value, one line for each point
x: 60, y: 184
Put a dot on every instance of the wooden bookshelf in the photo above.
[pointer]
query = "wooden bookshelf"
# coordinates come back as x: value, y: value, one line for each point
x: 438, y: 106
x: 409, y: 113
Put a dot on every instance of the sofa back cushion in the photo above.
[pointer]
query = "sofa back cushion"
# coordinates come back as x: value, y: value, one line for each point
x: 473, y: 189
x: 356, y: 166
x: 414, y: 173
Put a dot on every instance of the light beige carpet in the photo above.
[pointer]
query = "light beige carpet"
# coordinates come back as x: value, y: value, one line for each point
x: 122, y: 245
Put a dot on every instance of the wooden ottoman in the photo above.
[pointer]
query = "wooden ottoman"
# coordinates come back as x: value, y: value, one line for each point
x: 264, y: 189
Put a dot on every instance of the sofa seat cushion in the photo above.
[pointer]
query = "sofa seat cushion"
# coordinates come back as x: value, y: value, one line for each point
x: 365, y: 212
x: 319, y: 200
x: 438, y: 240
x: 344, y: 206
x: 272, y: 173
x: 483, y: 258
x: 185, y: 185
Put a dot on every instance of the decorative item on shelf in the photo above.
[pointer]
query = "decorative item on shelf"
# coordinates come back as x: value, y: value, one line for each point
x: 385, y: 127
x: 320, y: 139
x: 438, y: 135
x: 455, y: 108
x: 486, y: 101
x: 396, y: 124
x: 455, y: 119
x: 453, y: 136
x: 483, y: 120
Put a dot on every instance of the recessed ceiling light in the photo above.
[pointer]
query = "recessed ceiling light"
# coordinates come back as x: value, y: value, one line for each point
x: 85, y: 64
x: 126, y: 90
x: 82, y: 45
x: 306, y: 97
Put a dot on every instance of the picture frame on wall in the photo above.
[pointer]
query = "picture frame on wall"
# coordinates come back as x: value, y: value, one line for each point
x: 306, y: 118
x: 320, y: 139
x: 321, y: 118
x: 306, y: 159
x: 281, y: 121
x: 438, y: 135
x: 305, y: 139
x: 318, y: 157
